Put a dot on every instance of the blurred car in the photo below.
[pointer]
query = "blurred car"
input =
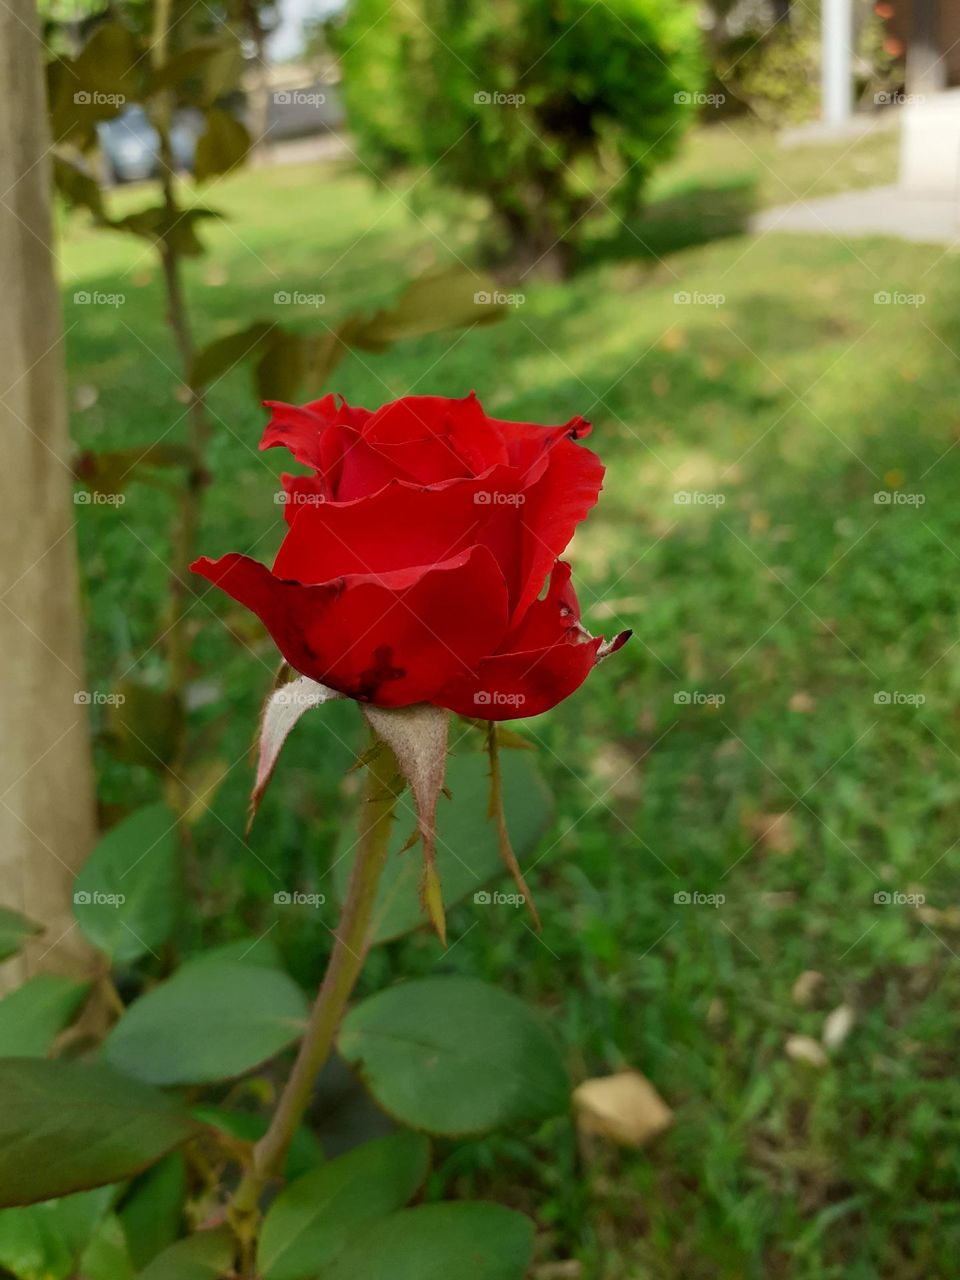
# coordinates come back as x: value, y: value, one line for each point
x: 131, y: 148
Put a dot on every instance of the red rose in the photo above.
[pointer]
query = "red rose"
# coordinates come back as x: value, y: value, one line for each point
x: 416, y: 553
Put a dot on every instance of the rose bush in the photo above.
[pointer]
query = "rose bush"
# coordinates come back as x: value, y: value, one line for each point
x: 416, y: 553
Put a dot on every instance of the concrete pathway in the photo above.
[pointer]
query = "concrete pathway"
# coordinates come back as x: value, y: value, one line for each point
x: 925, y: 217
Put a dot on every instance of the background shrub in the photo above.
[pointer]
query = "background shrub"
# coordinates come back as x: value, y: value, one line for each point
x: 551, y: 112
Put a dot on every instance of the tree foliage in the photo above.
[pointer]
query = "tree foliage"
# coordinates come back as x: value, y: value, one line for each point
x: 552, y: 111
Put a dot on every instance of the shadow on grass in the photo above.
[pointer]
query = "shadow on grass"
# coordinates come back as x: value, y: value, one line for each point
x: 691, y: 215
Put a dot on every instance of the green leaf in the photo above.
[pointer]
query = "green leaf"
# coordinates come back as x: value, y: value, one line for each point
x: 32, y: 1017
x: 455, y: 1056
x: 111, y: 470
x: 437, y: 1241
x: 305, y: 1150
x: 217, y: 358
x: 282, y: 366
x: 156, y: 224
x: 78, y: 187
x: 153, y: 1209
x: 442, y: 299
x: 204, y: 1256
x: 144, y: 725
x: 468, y: 847
x: 65, y: 1126
x: 45, y: 1241
x: 96, y: 85
x: 311, y: 1221
x: 106, y: 1257
x: 210, y: 1021
x: 203, y: 71
x: 14, y: 931
x: 223, y: 145
x: 124, y: 898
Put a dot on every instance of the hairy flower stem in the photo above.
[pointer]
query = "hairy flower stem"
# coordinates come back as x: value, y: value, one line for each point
x: 351, y: 943
x: 184, y: 533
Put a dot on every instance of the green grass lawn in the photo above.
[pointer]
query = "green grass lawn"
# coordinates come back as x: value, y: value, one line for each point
x: 788, y: 592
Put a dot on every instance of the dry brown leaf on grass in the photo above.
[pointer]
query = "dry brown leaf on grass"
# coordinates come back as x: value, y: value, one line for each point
x: 806, y: 1049
x: 806, y: 986
x: 624, y: 1107
x: 837, y: 1026
x: 774, y: 832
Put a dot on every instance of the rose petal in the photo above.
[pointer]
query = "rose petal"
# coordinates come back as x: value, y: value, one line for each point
x: 393, y: 639
x: 528, y: 443
x: 318, y: 434
x: 545, y: 659
x: 428, y: 439
x: 403, y: 525
x: 554, y: 505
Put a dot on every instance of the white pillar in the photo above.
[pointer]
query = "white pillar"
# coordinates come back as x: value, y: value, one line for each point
x: 837, y: 61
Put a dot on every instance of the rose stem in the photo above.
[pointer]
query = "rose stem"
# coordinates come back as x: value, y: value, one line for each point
x: 351, y: 944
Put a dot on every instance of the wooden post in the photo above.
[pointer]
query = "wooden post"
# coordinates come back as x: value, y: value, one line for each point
x: 46, y: 777
x: 926, y: 60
